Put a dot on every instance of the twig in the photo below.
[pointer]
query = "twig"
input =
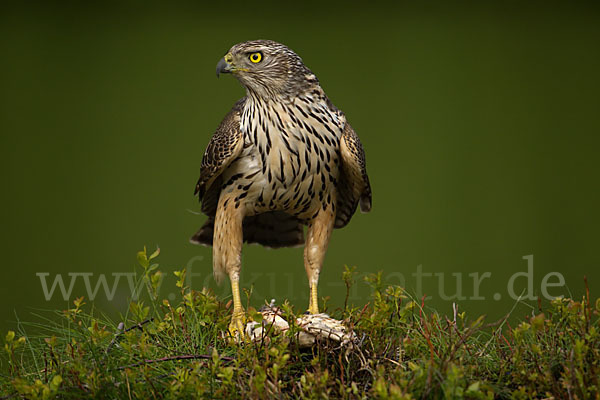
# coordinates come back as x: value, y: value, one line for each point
x: 139, y: 325
x: 175, y: 358
x: 587, y: 310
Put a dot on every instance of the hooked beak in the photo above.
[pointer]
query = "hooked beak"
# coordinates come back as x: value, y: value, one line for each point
x: 224, y: 66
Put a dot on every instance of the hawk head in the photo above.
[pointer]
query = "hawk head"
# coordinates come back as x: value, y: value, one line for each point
x: 267, y: 68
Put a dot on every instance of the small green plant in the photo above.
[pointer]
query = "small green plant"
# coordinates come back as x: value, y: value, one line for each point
x: 178, y: 349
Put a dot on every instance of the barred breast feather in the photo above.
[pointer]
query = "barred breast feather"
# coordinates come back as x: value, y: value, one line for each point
x: 283, y: 161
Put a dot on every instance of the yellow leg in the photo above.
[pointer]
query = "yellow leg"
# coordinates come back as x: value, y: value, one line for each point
x: 317, y: 239
x: 236, y: 327
x: 227, y: 254
x: 313, y: 307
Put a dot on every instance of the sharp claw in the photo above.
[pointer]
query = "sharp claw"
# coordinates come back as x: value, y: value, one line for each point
x: 236, y: 328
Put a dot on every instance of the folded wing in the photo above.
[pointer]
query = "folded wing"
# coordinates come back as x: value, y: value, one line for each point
x: 353, y: 185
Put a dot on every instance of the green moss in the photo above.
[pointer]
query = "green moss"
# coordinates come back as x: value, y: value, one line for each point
x: 178, y: 350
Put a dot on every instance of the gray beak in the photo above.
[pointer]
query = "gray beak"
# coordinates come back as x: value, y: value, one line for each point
x: 223, y: 67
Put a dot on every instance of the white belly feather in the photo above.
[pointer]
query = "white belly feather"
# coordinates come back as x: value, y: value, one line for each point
x: 290, y: 160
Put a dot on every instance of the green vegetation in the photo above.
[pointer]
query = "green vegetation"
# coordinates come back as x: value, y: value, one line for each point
x: 405, y: 350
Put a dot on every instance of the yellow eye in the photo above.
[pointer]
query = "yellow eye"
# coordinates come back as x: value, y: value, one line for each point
x: 256, y: 57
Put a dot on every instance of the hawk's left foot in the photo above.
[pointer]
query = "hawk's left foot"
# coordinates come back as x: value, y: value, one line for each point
x: 313, y: 307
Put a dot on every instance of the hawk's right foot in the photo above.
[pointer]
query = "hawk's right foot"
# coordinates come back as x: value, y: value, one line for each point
x: 237, y: 326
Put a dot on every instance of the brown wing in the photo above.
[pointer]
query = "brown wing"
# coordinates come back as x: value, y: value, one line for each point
x: 225, y: 145
x: 353, y: 186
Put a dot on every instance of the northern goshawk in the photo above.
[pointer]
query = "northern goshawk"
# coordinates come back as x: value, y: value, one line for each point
x: 282, y: 158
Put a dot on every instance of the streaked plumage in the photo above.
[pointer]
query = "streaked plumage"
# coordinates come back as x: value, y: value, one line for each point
x: 283, y: 157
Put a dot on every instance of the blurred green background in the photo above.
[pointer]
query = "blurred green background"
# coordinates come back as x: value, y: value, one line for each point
x: 480, y: 122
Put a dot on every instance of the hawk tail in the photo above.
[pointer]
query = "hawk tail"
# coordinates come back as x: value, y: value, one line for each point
x: 204, y: 236
x: 274, y: 229
x: 271, y: 229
